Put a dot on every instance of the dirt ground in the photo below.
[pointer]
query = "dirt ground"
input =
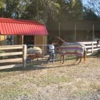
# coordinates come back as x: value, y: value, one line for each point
x: 52, y: 81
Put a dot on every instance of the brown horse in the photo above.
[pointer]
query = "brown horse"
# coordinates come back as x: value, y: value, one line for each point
x: 75, y: 48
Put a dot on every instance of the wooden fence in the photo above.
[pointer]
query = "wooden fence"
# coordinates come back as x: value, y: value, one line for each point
x: 91, y: 47
x: 13, y: 56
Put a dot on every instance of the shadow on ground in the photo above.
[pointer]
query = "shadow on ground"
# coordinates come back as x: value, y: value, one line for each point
x: 32, y: 66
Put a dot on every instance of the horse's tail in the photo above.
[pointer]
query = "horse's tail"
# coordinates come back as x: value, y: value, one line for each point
x: 84, y: 55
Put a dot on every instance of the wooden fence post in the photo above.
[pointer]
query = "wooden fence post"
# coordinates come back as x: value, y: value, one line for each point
x: 24, y: 55
x: 92, y: 47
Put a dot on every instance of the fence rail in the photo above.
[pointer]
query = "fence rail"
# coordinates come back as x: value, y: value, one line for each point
x: 91, y: 47
x: 13, y: 56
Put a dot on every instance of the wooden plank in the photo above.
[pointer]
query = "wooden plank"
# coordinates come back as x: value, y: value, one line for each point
x: 89, y: 50
x: 88, y: 54
x: 11, y: 45
x: 96, y: 49
x: 98, y: 46
x: 10, y: 48
x: 11, y: 60
x: 89, y: 42
x: 11, y: 54
x: 90, y: 46
x: 11, y: 66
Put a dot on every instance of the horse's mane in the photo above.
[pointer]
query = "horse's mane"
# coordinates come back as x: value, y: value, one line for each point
x: 59, y: 41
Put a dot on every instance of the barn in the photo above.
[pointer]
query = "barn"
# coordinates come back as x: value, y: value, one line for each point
x: 14, y: 31
x: 83, y: 30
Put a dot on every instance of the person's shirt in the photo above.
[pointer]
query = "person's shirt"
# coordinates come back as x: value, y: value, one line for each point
x: 51, y: 48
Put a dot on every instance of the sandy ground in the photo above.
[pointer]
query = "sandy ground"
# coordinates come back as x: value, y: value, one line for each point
x: 53, y: 81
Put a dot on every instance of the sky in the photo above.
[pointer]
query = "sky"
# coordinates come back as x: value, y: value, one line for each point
x: 85, y: 2
x: 95, y: 8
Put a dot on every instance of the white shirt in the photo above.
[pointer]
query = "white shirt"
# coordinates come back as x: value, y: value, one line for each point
x: 51, y: 48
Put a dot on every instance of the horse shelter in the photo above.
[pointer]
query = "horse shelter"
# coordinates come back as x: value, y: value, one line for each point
x: 14, y: 31
x: 22, y: 32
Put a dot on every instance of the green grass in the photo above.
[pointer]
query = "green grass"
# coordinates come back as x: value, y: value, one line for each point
x: 18, y: 81
x: 50, y: 79
x: 12, y: 92
x: 14, y: 86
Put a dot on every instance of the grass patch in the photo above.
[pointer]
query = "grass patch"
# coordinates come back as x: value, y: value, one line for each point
x: 74, y: 80
x: 12, y: 92
x: 83, y: 92
x: 44, y: 80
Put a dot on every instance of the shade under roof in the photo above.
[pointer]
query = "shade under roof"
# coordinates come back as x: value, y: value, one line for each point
x: 10, y: 26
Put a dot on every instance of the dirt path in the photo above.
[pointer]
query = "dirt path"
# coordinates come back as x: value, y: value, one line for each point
x: 53, y: 82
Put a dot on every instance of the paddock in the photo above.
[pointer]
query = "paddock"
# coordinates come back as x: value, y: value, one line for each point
x: 91, y: 48
x: 52, y: 81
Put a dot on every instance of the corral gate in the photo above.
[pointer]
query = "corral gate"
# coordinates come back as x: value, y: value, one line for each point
x: 13, y: 56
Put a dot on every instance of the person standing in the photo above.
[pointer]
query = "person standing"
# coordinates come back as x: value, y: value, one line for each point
x: 51, y: 52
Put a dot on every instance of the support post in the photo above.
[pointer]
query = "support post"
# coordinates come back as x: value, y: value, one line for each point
x: 24, y: 55
x: 75, y: 33
x: 93, y: 35
x: 92, y: 47
x: 59, y: 28
x: 22, y: 39
x: 0, y: 41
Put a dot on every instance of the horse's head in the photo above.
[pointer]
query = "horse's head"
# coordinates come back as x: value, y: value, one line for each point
x: 58, y: 41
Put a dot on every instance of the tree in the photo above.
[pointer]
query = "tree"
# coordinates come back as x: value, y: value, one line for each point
x: 30, y: 9
x: 88, y: 14
x: 1, y: 7
x: 70, y: 10
x: 75, y: 10
x: 41, y: 10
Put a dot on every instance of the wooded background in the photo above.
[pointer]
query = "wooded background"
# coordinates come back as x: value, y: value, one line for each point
x: 51, y: 11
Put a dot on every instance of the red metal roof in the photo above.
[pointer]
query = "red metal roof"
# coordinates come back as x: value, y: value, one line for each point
x: 10, y: 26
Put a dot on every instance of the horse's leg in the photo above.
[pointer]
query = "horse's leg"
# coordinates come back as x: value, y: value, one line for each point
x: 77, y: 58
x: 63, y: 59
x: 84, y: 55
x: 80, y: 59
x: 60, y: 58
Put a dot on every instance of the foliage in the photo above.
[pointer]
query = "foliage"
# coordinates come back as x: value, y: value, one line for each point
x: 46, y: 10
x: 88, y: 14
x: 71, y: 10
x: 41, y: 10
x: 1, y: 7
x: 1, y: 4
x: 27, y: 9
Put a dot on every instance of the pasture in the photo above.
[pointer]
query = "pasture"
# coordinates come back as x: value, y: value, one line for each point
x: 52, y: 81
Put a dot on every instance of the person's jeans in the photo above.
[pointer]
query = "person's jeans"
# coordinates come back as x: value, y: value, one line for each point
x: 51, y: 56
